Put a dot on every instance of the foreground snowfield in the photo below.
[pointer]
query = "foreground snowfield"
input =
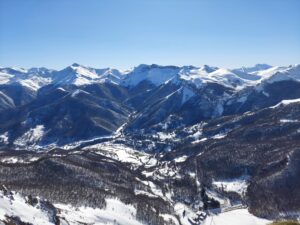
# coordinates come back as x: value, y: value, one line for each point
x: 116, y: 212
x: 15, y: 205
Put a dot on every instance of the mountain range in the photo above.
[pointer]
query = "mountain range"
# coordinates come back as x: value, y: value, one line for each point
x: 81, y: 103
x: 169, y: 141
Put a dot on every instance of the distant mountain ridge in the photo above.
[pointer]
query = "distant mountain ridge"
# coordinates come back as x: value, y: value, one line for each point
x: 146, y: 97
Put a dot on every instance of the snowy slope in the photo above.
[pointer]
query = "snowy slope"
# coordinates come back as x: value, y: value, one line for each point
x: 286, y: 102
x: 75, y: 74
x: 229, y: 78
x: 254, y: 69
x: 275, y: 74
x: 124, y: 154
x: 152, y: 73
x: 35, y: 82
x: 110, y: 75
x: 5, y: 77
x: 81, y: 75
x: 235, y: 217
x: 14, y: 205
x: 197, y: 76
x: 238, y: 185
x: 116, y: 212
x: 33, y: 78
x: 262, y: 73
x: 31, y: 137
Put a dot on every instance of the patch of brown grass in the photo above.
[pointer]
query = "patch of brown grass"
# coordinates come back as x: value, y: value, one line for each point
x: 285, y: 223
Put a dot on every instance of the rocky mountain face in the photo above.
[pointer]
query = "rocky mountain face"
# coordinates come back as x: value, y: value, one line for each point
x: 168, y: 141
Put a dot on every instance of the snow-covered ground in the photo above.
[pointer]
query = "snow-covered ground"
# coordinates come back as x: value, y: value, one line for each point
x: 4, y: 138
x: 184, y: 213
x: 16, y: 159
x: 235, y: 217
x: 15, y: 205
x: 31, y: 137
x: 238, y: 185
x: 288, y: 121
x: 124, y: 154
x: 181, y: 159
x: 115, y: 212
x: 286, y: 102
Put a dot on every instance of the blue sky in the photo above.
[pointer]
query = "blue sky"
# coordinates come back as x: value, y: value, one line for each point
x: 125, y: 33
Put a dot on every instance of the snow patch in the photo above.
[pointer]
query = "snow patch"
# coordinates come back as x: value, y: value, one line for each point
x: 17, y: 206
x: 35, y: 82
x: 199, y: 141
x: 165, y: 136
x: 286, y: 102
x: 181, y: 159
x: 288, y: 121
x: 170, y: 219
x: 116, y: 212
x: 141, y: 192
x: 5, y: 78
x: 77, y: 92
x: 238, y: 185
x: 219, y: 136
x: 235, y: 217
x: 4, y: 138
x: 13, y: 160
x: 31, y: 137
x: 155, y: 74
x: 124, y: 154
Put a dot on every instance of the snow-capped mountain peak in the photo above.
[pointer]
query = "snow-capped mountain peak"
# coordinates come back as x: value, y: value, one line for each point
x: 155, y: 74
x: 206, y: 74
x: 82, y: 75
x: 254, y: 69
x: 228, y: 77
x: 79, y: 75
x: 208, y: 69
x: 277, y: 73
x: 83, y: 71
x: 75, y: 74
